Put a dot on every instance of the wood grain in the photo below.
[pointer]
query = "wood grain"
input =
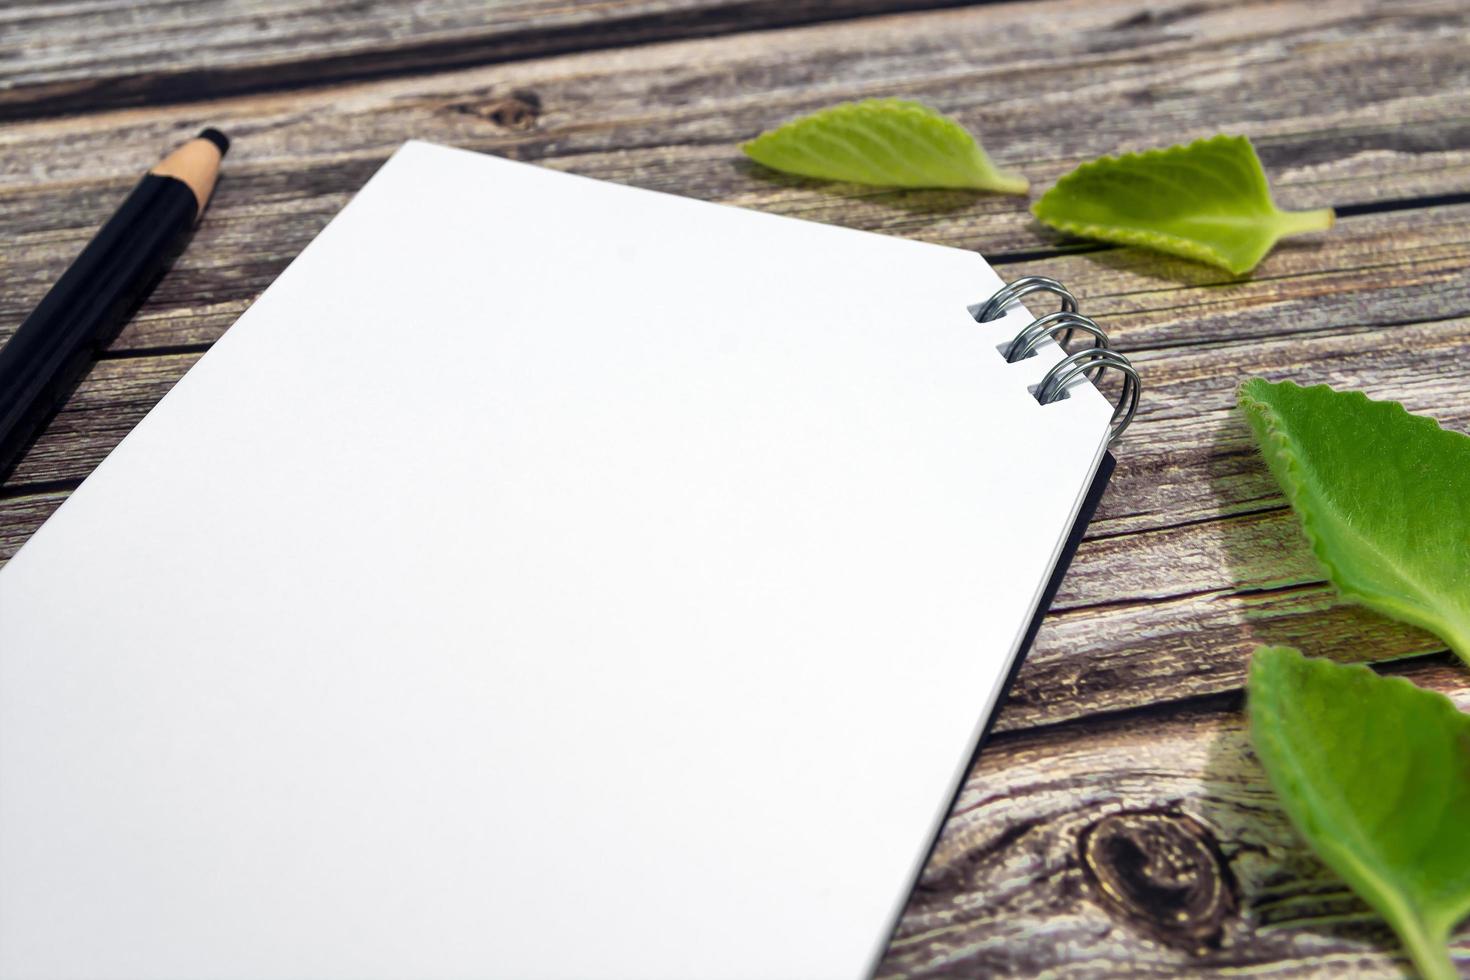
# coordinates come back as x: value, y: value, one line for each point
x: 140, y: 52
x: 1334, y: 93
x: 1143, y: 846
x: 1365, y: 129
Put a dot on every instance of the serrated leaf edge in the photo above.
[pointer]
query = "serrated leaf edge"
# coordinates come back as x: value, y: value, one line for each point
x: 1187, y: 247
x: 1429, y: 952
x: 1003, y: 181
x: 1292, y: 486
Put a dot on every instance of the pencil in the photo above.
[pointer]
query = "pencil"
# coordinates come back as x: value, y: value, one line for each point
x: 97, y: 294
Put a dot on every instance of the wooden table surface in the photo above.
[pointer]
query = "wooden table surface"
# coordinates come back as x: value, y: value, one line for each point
x: 1117, y: 823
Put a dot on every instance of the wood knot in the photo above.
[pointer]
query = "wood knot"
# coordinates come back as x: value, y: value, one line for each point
x: 519, y: 110
x: 1164, y: 873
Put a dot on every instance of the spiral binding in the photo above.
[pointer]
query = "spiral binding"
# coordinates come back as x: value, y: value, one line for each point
x: 1088, y: 362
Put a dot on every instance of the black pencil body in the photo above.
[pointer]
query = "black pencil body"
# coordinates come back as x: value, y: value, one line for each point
x: 87, y: 306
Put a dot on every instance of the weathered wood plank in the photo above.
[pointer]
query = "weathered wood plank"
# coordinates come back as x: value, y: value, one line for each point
x: 20, y: 516
x: 1091, y: 661
x: 1125, y: 635
x: 1372, y: 269
x: 1193, y: 457
x: 1147, y: 846
x: 1348, y: 104
x: 111, y: 399
x: 85, y: 57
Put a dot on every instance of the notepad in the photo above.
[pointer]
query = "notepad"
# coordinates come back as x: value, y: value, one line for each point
x: 543, y: 578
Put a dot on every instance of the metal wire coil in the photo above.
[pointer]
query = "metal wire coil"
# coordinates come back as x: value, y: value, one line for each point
x: 1012, y: 292
x: 1053, y: 386
x: 1042, y: 328
x: 1089, y: 362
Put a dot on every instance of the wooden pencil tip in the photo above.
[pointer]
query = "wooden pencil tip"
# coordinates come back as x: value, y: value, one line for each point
x: 196, y: 163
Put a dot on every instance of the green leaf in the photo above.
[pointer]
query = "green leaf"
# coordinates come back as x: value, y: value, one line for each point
x: 1384, y: 498
x: 1375, y: 774
x: 887, y: 142
x: 1207, y: 201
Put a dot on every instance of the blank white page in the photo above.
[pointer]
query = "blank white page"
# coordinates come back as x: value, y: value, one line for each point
x: 544, y: 578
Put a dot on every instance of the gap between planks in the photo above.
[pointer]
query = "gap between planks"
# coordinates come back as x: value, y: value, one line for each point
x: 471, y: 48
